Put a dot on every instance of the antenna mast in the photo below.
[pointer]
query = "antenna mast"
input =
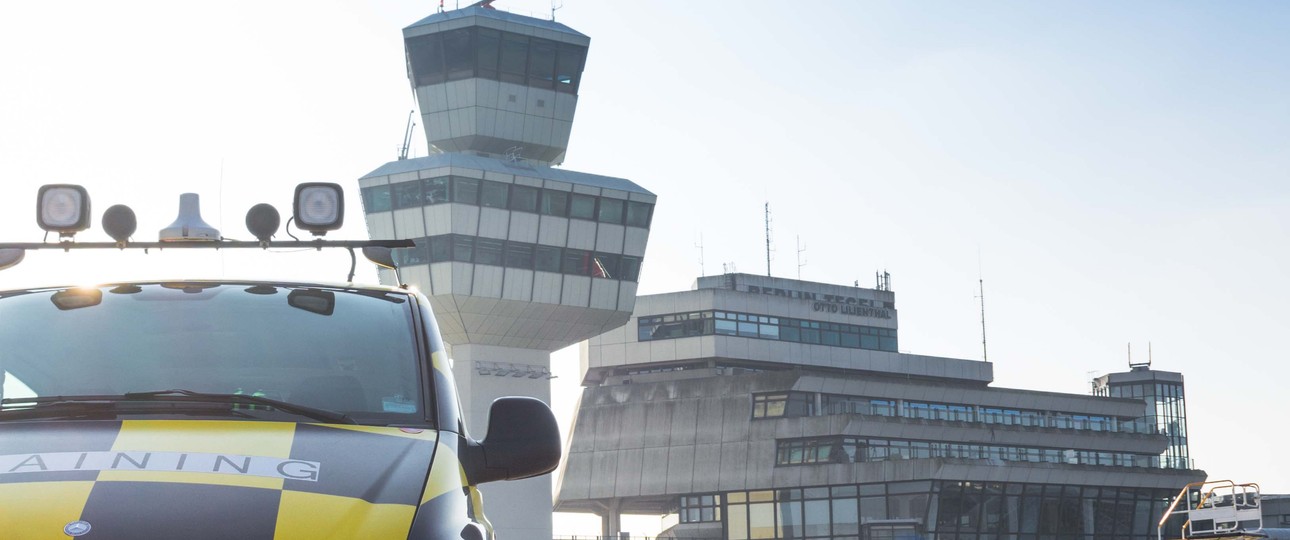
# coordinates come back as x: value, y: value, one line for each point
x: 768, y: 250
x: 703, y: 270
x: 980, y: 281
x: 800, y: 263
x: 407, y: 133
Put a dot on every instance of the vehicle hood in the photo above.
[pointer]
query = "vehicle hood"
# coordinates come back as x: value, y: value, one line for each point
x: 214, y: 479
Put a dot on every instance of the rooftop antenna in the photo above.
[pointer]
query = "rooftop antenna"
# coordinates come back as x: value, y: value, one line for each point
x: 768, y: 248
x: 882, y: 279
x: 800, y: 263
x: 980, y: 282
x: 407, y: 132
x: 554, y: 8
x: 1139, y: 365
x: 703, y: 270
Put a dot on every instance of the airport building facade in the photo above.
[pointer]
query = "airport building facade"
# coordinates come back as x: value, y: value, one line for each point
x: 754, y: 407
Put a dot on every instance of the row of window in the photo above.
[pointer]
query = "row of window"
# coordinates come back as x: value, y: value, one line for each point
x: 861, y: 450
x: 947, y: 510
x: 516, y: 197
x: 798, y: 404
x: 493, y: 252
x: 492, y: 54
x: 727, y: 323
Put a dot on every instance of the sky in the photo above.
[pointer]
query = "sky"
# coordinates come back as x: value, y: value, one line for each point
x: 1115, y: 173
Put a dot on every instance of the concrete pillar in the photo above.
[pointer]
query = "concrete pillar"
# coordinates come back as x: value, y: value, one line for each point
x: 611, y: 519
x: 516, y: 508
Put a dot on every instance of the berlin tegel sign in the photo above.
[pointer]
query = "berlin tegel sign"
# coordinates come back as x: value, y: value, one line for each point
x: 829, y: 303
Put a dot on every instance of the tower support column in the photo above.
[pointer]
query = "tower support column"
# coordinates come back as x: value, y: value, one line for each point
x: 516, y: 508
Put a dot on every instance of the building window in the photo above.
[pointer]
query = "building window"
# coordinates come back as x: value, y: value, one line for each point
x: 376, y: 199
x: 700, y: 508
x: 554, y: 203
x: 493, y: 194
x: 837, y: 449
x: 488, y: 251
x: 784, y: 404
x: 784, y: 329
x: 524, y: 198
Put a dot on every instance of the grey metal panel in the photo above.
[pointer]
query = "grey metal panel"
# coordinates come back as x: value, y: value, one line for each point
x: 734, y: 466
x: 553, y: 231
x: 685, y: 420
x: 604, y: 294
x: 524, y: 227
x: 658, y: 421
x: 575, y: 481
x: 605, y: 470
x: 609, y: 238
x: 711, y: 421
x: 488, y: 281
x: 634, y: 240
x: 760, y: 464
x: 494, y: 223
x: 547, y: 286
x: 631, y: 469
x: 462, y: 278
x: 408, y: 223
x: 517, y: 284
x: 632, y: 422
x: 608, y: 427
x: 680, y: 469
x: 656, y: 462
x: 582, y: 432
x: 582, y: 234
x: 576, y: 290
x: 707, y: 468
x: 438, y: 220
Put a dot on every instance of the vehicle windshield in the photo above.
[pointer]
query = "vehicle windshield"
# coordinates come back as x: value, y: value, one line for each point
x: 350, y: 351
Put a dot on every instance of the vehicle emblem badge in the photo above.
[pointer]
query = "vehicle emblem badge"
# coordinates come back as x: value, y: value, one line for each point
x: 76, y: 528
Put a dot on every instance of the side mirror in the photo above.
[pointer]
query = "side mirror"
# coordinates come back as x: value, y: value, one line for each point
x: 523, y: 440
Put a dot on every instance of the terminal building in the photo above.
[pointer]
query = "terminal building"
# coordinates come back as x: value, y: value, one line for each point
x: 753, y: 407
x: 518, y: 258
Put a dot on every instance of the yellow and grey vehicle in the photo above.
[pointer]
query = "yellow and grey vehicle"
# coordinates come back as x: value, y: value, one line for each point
x: 242, y: 409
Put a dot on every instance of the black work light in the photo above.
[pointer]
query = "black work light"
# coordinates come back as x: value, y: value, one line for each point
x: 63, y: 208
x: 319, y: 207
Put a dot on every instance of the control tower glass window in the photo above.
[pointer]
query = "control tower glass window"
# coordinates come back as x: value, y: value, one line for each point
x: 569, y: 68
x: 555, y: 203
x: 456, y: 54
x: 488, y: 45
x: 425, y: 58
x: 542, y: 63
x: 515, y: 52
x: 492, y: 54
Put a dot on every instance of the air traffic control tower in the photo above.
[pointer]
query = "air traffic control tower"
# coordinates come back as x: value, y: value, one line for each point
x: 518, y: 258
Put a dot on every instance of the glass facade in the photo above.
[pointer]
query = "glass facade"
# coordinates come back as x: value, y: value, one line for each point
x: 839, y: 449
x: 1166, y: 414
x: 487, y: 53
x: 830, y: 404
x: 514, y: 197
x: 493, y: 252
x: 944, y: 510
x: 728, y: 323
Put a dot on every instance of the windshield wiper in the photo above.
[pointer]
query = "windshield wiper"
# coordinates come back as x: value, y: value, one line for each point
x: 300, y: 410
x: 178, y: 395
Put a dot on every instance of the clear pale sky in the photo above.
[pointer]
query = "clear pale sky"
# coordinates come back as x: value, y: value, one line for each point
x: 1116, y: 172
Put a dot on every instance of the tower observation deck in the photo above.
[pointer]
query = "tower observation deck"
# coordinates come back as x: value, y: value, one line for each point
x: 517, y: 257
